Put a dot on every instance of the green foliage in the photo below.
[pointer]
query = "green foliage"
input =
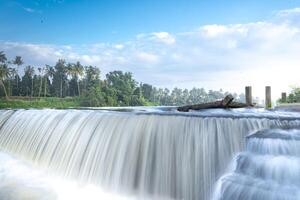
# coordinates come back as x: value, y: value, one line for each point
x: 94, y: 98
x: 3, y: 58
x: 27, y: 81
x: 51, y: 102
x: 147, y: 90
x: 4, y: 74
x: 294, y: 96
x: 72, y: 85
x: 60, y: 79
x: 269, y: 106
x: 18, y: 61
x: 123, y: 85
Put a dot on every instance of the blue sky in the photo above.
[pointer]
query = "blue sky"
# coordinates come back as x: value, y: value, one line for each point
x: 211, y: 44
x: 90, y: 21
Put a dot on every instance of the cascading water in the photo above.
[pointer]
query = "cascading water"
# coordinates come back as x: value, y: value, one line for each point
x: 268, y: 169
x: 156, y: 155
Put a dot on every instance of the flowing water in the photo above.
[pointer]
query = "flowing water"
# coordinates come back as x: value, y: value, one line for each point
x: 268, y: 169
x: 139, y: 153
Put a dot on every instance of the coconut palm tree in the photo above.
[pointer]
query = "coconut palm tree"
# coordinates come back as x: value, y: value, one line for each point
x: 18, y: 62
x: 78, y: 68
x: 12, y: 75
x: 48, y: 73
x: 3, y: 58
x: 29, y: 70
x: 76, y: 71
x: 41, y: 71
x: 4, y: 74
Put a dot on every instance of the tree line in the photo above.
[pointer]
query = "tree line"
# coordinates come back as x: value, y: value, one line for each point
x: 293, y: 97
x: 66, y: 79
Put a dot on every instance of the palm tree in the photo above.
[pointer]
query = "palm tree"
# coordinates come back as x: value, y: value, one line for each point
x: 12, y: 73
x: 18, y: 61
x: 3, y: 58
x: 49, y: 72
x: 76, y: 71
x: 61, y: 71
x: 41, y: 79
x: 4, y: 74
x: 79, y: 72
x: 30, y: 71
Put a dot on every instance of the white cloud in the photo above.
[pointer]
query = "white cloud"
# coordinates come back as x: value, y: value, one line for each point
x: 212, y: 56
x: 119, y: 46
x: 147, y: 58
x: 214, y: 30
x: 90, y: 59
x: 164, y: 37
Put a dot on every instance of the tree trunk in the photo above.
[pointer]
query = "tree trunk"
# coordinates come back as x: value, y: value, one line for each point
x: 18, y: 94
x: 10, y: 87
x: 45, y: 89
x: 40, y: 89
x: 5, y: 92
x: 84, y: 92
x: 227, y: 102
x: 240, y: 105
x: 18, y: 87
x: 31, y: 87
x: 78, y: 88
x: 60, y: 87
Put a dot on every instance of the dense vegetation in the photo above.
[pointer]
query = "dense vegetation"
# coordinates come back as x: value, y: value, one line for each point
x: 294, y: 96
x: 72, y: 85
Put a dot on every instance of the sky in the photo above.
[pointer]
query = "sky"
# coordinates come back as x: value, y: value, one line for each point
x: 184, y: 43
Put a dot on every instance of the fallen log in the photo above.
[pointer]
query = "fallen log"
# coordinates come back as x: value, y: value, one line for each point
x: 227, y: 102
x: 239, y: 105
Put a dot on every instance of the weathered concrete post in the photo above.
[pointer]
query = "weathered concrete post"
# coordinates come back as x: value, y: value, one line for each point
x: 283, y: 97
x: 248, y: 93
x: 268, y: 97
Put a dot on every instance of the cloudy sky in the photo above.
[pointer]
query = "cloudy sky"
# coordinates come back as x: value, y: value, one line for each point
x: 210, y: 44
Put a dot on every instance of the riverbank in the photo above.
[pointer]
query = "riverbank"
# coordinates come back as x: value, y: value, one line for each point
x: 54, y: 102
x: 45, y: 102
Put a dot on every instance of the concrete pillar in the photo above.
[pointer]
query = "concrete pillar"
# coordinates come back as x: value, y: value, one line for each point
x: 248, y: 93
x: 283, y: 97
x: 268, y: 100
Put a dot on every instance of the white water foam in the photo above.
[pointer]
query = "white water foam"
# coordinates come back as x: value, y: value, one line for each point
x: 145, y: 154
x: 268, y: 169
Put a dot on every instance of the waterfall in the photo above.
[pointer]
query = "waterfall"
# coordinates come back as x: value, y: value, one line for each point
x: 158, y: 154
x: 4, y: 115
x: 268, y: 169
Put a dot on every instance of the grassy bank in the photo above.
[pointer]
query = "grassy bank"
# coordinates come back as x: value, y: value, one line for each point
x: 51, y: 102
x: 48, y: 102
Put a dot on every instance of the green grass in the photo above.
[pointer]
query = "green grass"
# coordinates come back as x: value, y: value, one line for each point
x: 16, y: 102
x: 148, y: 103
x: 48, y: 102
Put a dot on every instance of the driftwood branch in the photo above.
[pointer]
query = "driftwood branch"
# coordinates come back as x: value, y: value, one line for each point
x: 227, y: 102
